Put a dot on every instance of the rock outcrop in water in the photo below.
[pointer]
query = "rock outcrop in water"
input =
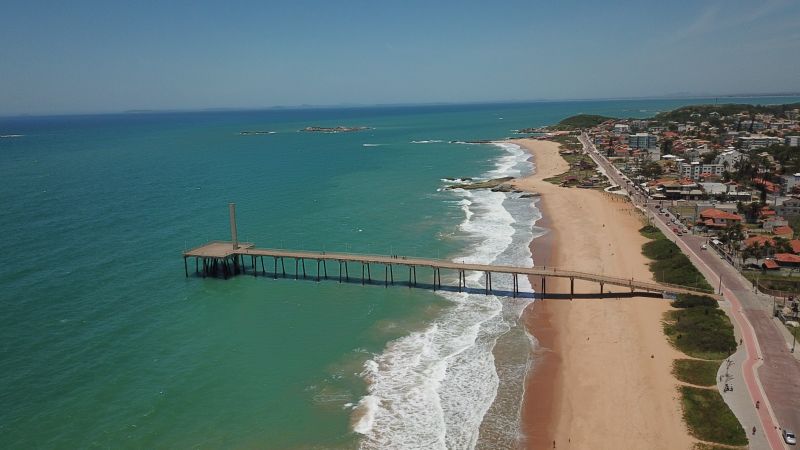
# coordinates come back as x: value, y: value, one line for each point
x: 339, y: 129
x: 495, y: 184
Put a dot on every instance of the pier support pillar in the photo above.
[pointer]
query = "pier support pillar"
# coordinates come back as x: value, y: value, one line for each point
x: 391, y: 274
x: 185, y: 267
x: 296, y: 269
x: 601, y: 287
x: 303, y: 262
x: 571, y: 287
x: 544, y: 286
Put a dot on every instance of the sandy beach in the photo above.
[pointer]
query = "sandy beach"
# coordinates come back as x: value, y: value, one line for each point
x: 602, y: 378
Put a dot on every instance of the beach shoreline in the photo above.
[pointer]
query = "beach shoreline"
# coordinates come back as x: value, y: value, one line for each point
x: 598, y: 362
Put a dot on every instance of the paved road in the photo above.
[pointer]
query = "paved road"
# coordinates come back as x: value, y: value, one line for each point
x: 771, y: 373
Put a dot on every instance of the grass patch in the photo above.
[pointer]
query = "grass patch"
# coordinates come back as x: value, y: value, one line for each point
x: 704, y: 446
x: 709, y: 418
x: 695, y: 371
x: 580, y: 172
x: 703, y: 332
x: 694, y: 301
x: 669, y: 264
x: 650, y: 232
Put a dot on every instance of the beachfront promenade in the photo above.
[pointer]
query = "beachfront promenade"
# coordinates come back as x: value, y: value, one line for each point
x: 226, y: 259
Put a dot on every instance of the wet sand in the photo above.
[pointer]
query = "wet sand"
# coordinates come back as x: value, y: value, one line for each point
x: 602, y: 379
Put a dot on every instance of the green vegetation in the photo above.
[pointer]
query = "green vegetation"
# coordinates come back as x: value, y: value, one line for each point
x: 709, y: 418
x: 670, y: 265
x: 696, y: 371
x: 581, y: 171
x: 693, y: 301
x: 581, y: 121
x: 704, y: 446
x: 685, y: 113
x: 701, y: 332
x: 568, y: 141
x: 775, y: 281
x: 650, y: 232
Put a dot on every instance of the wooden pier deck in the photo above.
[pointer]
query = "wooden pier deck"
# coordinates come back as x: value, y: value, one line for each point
x: 224, y: 259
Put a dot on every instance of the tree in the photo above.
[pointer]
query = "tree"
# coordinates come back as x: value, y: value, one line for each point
x: 651, y: 170
x: 666, y: 146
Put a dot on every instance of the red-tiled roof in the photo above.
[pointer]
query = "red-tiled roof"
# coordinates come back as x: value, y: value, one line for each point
x: 761, y: 239
x: 770, y: 264
x: 765, y: 212
x: 714, y: 213
x: 787, y: 258
x: 795, y: 244
x: 783, y: 231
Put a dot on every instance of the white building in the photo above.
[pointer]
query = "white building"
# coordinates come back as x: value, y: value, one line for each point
x: 758, y: 141
x: 729, y: 158
x: 791, y: 181
x: 792, y: 141
x: 694, y: 170
x: 621, y: 128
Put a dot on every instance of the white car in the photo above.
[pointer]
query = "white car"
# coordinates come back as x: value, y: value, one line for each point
x: 789, y: 437
x: 703, y: 247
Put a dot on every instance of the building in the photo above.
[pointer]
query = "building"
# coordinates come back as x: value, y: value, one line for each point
x: 642, y: 140
x: 757, y: 141
x: 785, y: 232
x: 716, y: 218
x: 790, y: 181
x: 793, y: 114
x: 789, y: 208
x: 696, y: 170
x: 787, y: 260
x: 792, y: 141
x: 621, y: 128
x: 729, y: 158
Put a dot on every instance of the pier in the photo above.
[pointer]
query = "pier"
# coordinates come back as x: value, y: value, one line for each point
x: 225, y: 259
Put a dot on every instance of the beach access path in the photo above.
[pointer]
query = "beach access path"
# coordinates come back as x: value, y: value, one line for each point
x: 770, y: 372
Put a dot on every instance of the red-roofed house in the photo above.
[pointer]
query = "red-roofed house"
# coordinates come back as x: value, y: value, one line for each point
x: 795, y: 244
x: 770, y: 265
x: 766, y: 212
x: 716, y: 218
x: 787, y: 260
x: 760, y: 239
x: 784, y: 232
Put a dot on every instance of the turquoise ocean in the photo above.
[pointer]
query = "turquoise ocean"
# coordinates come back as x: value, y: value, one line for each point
x: 105, y: 344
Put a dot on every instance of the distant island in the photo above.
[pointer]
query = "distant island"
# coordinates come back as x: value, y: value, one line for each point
x: 339, y: 129
x: 255, y: 133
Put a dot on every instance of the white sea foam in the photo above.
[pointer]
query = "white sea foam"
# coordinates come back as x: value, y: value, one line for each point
x: 371, y: 145
x: 432, y: 388
x: 431, y: 141
x: 10, y: 135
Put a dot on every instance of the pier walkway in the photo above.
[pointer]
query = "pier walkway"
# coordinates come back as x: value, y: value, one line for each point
x: 220, y: 258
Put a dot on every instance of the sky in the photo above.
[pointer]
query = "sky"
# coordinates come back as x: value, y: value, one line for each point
x: 109, y: 56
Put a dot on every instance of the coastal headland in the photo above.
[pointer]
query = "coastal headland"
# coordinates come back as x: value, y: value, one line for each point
x: 602, y: 376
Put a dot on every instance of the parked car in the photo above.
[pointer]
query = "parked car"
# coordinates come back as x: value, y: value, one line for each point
x: 789, y: 437
x: 703, y: 247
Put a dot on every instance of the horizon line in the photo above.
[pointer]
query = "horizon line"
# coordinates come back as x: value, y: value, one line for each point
x: 397, y: 104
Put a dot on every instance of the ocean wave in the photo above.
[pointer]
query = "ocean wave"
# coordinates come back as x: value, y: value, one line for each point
x: 371, y: 145
x: 432, y: 388
x: 430, y: 141
x: 5, y: 136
